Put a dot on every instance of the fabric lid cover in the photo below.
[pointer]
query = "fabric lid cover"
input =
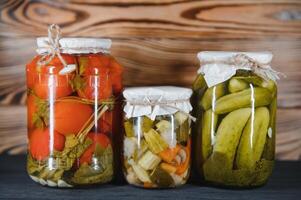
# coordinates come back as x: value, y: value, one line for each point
x: 72, y: 45
x: 216, y: 66
x: 157, y: 100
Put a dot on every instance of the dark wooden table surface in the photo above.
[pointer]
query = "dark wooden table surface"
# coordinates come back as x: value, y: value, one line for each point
x: 284, y: 184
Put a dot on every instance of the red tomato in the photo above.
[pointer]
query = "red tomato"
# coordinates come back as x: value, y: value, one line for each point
x: 105, y: 122
x: 55, y: 65
x: 115, y: 67
x: 97, y: 138
x: 94, y: 80
x: 92, y: 64
x: 70, y: 117
x: 31, y: 109
x: 95, y: 87
x: 38, y: 78
x: 117, y: 83
x: 61, y: 88
x: 39, y: 143
x: 116, y: 71
x: 31, y: 72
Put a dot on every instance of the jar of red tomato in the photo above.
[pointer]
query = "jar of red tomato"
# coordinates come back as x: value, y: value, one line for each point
x: 73, y: 92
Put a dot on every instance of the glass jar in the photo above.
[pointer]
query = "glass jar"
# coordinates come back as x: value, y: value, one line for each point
x: 235, y: 104
x: 71, y: 112
x: 157, y: 144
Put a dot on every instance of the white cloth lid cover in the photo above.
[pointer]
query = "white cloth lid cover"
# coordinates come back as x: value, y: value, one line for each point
x: 215, y: 73
x: 73, y: 45
x: 208, y: 56
x: 174, y: 98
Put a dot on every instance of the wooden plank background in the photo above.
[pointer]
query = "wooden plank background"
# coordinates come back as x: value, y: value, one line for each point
x: 157, y: 42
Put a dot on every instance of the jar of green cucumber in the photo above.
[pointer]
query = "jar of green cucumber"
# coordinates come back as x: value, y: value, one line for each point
x: 157, y: 145
x: 235, y: 98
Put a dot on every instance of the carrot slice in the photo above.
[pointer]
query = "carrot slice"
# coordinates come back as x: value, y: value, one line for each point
x: 169, y: 154
x: 184, y: 165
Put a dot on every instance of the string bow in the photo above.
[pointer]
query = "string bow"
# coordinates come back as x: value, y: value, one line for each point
x: 264, y: 70
x: 53, y: 46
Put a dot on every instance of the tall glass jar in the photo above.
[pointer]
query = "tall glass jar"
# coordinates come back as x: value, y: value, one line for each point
x: 235, y: 97
x: 72, y: 92
x: 157, y: 144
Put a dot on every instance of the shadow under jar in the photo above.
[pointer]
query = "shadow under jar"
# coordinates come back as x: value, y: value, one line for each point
x: 235, y: 104
x: 72, y: 116
x: 157, y: 144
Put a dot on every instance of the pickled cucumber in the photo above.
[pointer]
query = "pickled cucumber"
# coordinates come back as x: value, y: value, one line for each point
x: 183, y: 132
x: 269, y: 150
x: 163, y: 126
x: 228, y: 134
x: 243, y: 99
x: 213, y: 92
x: 208, y: 130
x: 199, y: 83
x: 220, y: 164
x: 154, y: 141
x: 255, y: 80
x: 260, y: 82
x: 270, y: 85
x: 129, y: 130
x: 197, y: 145
x: 149, y: 161
x: 161, y: 178
x: 237, y: 85
x: 253, y: 139
x: 147, y: 124
x: 263, y: 172
x: 214, y: 168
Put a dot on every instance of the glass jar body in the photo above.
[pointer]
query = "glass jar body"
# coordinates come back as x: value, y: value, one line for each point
x: 157, y: 152
x: 234, y: 144
x: 71, y: 119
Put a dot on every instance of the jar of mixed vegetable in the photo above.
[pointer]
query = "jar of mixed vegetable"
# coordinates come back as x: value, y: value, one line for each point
x: 74, y: 86
x: 235, y: 97
x: 157, y: 140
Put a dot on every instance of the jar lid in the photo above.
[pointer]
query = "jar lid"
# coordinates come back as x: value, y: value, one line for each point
x: 264, y: 57
x: 75, y: 45
x: 157, y: 100
x: 220, y: 66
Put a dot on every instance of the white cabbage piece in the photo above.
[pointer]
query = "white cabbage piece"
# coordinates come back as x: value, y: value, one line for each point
x: 180, y: 117
x: 164, y: 127
x: 129, y: 146
x: 170, y: 138
x: 131, y: 176
x: 177, y: 179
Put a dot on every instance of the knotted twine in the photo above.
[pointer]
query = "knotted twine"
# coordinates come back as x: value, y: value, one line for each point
x: 53, y: 46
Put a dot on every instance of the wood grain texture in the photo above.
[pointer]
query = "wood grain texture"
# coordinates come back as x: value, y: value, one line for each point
x: 184, y: 19
x: 156, y: 42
